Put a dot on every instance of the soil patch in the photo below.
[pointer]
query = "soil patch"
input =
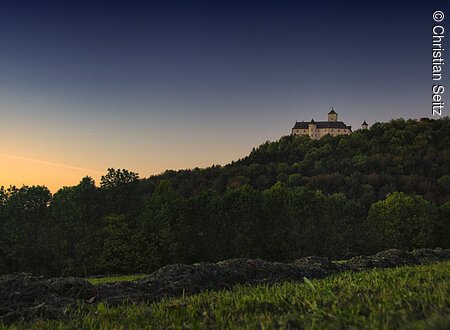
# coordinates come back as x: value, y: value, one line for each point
x: 24, y: 297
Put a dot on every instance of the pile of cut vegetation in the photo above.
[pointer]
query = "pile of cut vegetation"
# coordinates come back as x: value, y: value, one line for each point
x: 25, y: 297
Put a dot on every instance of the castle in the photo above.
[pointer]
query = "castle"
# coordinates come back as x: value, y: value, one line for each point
x: 316, y: 129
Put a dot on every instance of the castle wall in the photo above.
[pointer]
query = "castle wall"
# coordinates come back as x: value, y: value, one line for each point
x: 315, y: 133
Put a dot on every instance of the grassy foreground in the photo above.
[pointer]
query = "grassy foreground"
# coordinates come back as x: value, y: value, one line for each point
x: 416, y: 297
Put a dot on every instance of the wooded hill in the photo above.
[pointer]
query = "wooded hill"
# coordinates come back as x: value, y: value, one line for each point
x: 380, y: 188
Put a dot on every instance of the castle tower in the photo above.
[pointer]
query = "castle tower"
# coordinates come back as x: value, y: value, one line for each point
x: 312, y: 129
x: 364, y: 125
x: 332, y: 115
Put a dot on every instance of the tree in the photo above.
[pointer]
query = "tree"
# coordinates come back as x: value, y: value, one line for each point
x: 159, y: 224
x: 120, y: 192
x: 341, y: 226
x: 442, y: 230
x: 117, y: 178
x: 204, y: 227
x: 444, y: 183
x: 240, y: 218
x: 24, y: 223
x: 402, y: 221
x: 117, y: 253
x: 280, y: 230
x: 76, y: 228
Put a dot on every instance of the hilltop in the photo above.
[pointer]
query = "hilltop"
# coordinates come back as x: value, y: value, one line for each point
x: 401, y: 155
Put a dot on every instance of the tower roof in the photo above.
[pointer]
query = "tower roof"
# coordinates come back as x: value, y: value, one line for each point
x: 364, y: 123
x: 312, y: 120
x: 332, y: 112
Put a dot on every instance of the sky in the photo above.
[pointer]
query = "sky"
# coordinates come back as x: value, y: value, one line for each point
x: 156, y: 85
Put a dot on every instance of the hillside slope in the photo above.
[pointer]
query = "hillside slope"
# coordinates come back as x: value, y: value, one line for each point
x: 409, y: 156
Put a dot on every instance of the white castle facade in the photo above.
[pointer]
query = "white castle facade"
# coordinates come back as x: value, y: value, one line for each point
x: 317, y: 129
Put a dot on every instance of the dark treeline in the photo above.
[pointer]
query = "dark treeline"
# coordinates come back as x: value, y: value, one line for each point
x: 387, y: 187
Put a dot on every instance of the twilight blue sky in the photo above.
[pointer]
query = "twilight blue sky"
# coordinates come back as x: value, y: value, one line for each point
x: 152, y: 85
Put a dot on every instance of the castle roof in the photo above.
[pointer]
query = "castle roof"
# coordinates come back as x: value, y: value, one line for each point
x: 364, y: 123
x: 332, y: 112
x: 322, y: 124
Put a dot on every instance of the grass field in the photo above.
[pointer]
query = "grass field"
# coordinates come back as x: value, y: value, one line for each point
x: 416, y: 297
x: 113, y: 279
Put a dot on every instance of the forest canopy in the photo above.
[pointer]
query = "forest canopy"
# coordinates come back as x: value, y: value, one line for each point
x: 385, y: 187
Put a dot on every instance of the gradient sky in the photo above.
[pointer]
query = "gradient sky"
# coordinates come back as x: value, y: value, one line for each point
x: 178, y: 84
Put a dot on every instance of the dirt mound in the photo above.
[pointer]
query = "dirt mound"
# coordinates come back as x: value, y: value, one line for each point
x: 27, y: 297
x: 394, y: 258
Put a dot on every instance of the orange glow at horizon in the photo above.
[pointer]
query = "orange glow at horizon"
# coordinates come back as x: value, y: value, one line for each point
x: 50, y: 163
x: 29, y: 171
